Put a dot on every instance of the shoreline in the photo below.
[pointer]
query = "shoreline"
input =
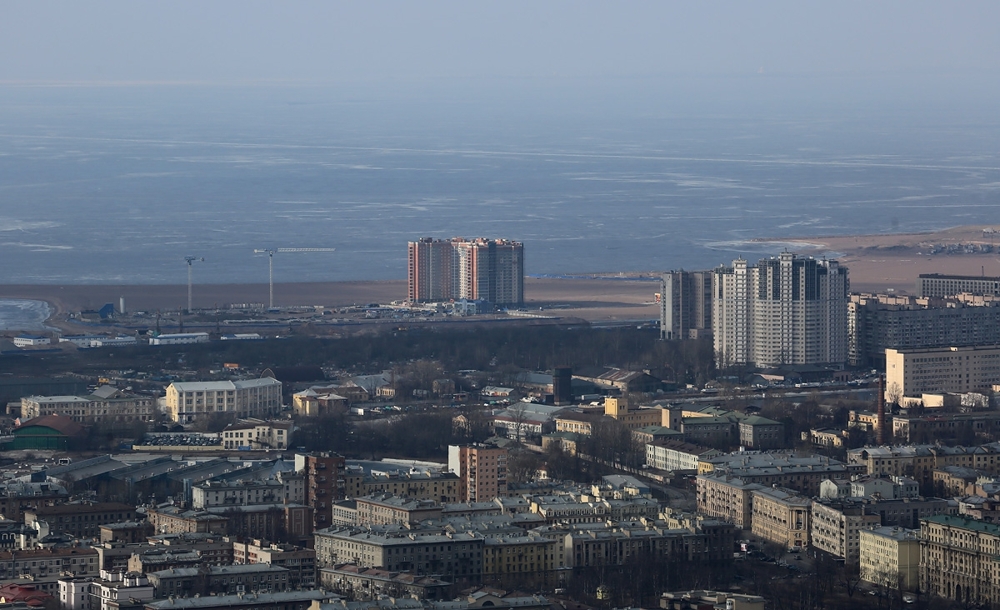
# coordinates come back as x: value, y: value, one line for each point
x: 592, y: 299
x: 876, y: 263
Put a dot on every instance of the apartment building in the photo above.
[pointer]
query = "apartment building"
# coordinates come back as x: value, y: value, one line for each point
x: 438, y: 486
x: 944, y: 285
x: 803, y: 474
x: 490, y: 270
x: 728, y: 498
x: 384, y: 509
x: 224, y: 580
x: 325, y: 483
x: 781, y: 516
x: 958, y: 559
x: 300, y: 562
x: 785, y: 310
x: 518, y: 556
x: 186, y: 401
x: 80, y: 520
x: 685, y: 305
x: 920, y: 461
x: 890, y: 557
x: 878, y: 322
x: 836, y: 528
x: 40, y: 563
x: 452, y: 556
x: 481, y: 470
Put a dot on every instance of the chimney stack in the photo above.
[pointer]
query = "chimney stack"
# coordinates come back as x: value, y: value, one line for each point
x: 880, y: 426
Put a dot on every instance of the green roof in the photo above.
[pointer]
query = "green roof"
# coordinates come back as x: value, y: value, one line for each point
x: 965, y: 523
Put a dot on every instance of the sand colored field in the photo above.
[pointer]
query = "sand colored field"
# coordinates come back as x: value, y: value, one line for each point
x: 881, y: 262
x: 590, y: 299
x: 876, y: 262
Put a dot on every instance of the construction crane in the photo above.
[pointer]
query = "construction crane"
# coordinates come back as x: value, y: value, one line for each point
x: 270, y: 252
x: 190, y: 260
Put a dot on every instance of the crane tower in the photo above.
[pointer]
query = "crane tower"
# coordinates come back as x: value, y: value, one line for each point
x: 270, y: 252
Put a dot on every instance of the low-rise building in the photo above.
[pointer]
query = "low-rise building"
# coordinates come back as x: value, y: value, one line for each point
x: 781, y: 516
x: 80, y: 520
x: 676, y: 455
x: 300, y: 562
x: 890, y: 557
x: 278, y: 600
x: 386, y: 509
x: 453, y: 556
x: 257, y: 435
x: 958, y: 559
x: 77, y: 561
x: 836, y: 528
x: 360, y: 583
x: 225, y: 580
x: 187, y: 401
x: 107, y: 404
x: 728, y: 498
x: 761, y: 433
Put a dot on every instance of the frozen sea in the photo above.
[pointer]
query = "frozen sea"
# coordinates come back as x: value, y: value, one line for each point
x: 23, y: 314
x: 117, y: 184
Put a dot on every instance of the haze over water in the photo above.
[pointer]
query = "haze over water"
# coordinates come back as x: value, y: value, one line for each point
x: 119, y: 184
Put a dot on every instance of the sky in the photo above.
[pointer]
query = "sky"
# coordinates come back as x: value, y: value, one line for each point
x: 239, y: 41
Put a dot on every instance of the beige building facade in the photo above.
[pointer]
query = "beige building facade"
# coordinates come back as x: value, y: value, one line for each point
x: 187, y: 401
x: 836, y: 528
x: 890, y: 557
x: 781, y: 516
x: 913, y: 372
x: 958, y: 559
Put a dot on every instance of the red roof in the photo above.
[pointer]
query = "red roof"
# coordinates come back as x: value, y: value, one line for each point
x: 29, y: 594
x: 60, y: 423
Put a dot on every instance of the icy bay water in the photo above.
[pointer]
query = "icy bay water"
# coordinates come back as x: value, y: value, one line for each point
x: 119, y: 184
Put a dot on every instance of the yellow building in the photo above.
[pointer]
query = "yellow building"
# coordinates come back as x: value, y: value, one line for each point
x: 890, y: 557
x: 958, y: 559
x: 529, y: 554
x: 781, y: 516
x: 619, y: 410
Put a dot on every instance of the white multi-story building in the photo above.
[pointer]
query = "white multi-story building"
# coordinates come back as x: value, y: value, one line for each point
x: 256, y: 435
x: 890, y: 557
x: 186, y: 401
x: 914, y: 372
x: 785, y: 310
x: 31, y: 340
x: 179, y: 339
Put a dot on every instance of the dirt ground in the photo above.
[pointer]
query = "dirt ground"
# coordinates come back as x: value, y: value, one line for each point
x: 878, y: 263
x: 589, y: 299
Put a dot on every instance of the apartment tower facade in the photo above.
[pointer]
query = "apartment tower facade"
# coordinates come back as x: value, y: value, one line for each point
x: 685, y: 305
x: 784, y: 310
x: 491, y: 270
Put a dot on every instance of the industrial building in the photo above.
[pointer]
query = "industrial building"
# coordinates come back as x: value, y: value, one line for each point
x: 481, y: 269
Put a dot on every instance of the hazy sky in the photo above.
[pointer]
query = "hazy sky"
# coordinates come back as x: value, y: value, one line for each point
x: 330, y: 42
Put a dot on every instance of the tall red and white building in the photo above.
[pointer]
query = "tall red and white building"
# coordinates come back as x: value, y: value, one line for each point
x: 484, y: 269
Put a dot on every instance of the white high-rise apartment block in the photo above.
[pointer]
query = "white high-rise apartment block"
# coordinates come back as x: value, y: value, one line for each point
x: 186, y: 401
x: 785, y: 310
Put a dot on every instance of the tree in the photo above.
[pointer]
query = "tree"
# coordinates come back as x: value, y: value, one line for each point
x: 893, y: 393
